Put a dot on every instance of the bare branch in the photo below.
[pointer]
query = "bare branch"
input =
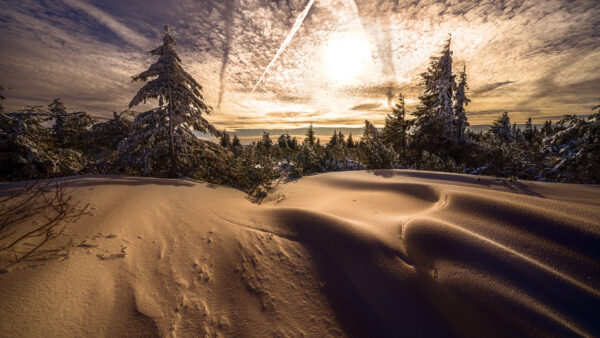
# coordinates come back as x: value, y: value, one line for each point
x: 34, y: 217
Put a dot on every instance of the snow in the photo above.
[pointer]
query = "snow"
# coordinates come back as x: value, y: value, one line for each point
x: 384, y: 252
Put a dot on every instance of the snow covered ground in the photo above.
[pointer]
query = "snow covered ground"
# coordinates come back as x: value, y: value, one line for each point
x: 376, y: 253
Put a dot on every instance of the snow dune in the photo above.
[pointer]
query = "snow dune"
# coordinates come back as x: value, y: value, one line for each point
x: 379, y: 253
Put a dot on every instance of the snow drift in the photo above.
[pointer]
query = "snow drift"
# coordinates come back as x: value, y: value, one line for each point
x: 377, y: 253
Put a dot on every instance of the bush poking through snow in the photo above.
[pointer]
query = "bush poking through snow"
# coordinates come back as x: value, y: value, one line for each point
x: 32, y: 219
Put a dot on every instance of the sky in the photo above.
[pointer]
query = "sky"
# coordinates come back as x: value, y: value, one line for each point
x: 277, y: 64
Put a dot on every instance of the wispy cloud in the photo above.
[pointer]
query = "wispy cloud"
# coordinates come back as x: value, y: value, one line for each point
x: 366, y: 106
x: 490, y: 87
x: 111, y: 23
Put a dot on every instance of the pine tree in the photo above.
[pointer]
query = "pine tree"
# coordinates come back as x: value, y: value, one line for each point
x: 236, y: 145
x: 373, y: 152
x: 501, y: 129
x: 547, y: 129
x: 293, y: 143
x: 236, y: 141
x: 531, y: 146
x: 528, y: 132
x: 164, y: 134
x: 266, y: 141
x: 341, y: 139
x: 283, y: 141
x: 27, y: 150
x: 350, y: 142
x: 395, y: 128
x: 438, y: 83
x: 110, y: 133
x: 225, y: 140
x: 505, y: 150
x: 333, y: 141
x: 70, y: 130
x: 433, y: 130
x: 573, y: 150
x: 24, y: 147
x: 310, y: 136
x: 77, y: 133
x: 306, y: 160
x: 58, y: 113
x: 460, y: 101
x: 253, y: 171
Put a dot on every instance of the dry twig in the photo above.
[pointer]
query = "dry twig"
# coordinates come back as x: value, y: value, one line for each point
x: 32, y: 217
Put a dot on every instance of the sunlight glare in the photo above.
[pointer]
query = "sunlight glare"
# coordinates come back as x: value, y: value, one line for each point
x: 345, y: 57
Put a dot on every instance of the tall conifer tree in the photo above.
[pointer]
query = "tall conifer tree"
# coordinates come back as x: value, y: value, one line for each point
x: 225, y: 140
x: 350, y: 142
x: 438, y: 82
x: 435, y: 113
x: 266, y: 141
x: 373, y: 152
x: 529, y: 132
x: 58, y: 113
x: 501, y: 129
x: 396, y: 126
x: 284, y: 141
x: 235, y: 143
x: 333, y: 141
x: 460, y: 101
x: 164, y: 134
x: 341, y: 139
x: 310, y: 136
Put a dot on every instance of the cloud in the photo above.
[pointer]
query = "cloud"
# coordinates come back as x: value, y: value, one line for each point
x: 115, y: 26
x: 491, y: 87
x: 499, y: 112
x: 548, y: 50
x: 47, y: 55
x: 292, y: 114
x: 366, y: 106
x: 580, y: 92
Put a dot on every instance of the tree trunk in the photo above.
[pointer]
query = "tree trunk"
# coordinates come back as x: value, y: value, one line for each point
x: 173, y: 172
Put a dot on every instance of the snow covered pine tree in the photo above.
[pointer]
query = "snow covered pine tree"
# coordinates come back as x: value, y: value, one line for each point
x: 460, y: 101
x: 433, y: 130
x: 395, y: 129
x: 310, y: 136
x: 373, y: 152
x: 164, y: 134
x: 58, y: 113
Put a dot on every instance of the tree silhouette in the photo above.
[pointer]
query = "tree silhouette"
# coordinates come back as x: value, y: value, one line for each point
x: 310, y: 136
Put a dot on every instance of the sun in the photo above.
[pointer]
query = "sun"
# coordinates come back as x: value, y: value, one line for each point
x: 345, y: 57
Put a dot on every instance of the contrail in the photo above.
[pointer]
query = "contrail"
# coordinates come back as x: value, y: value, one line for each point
x: 286, y: 42
x: 383, y: 42
x: 228, y: 24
